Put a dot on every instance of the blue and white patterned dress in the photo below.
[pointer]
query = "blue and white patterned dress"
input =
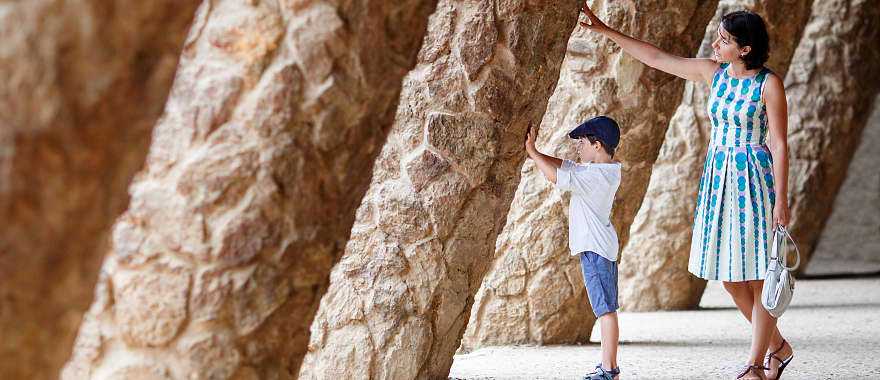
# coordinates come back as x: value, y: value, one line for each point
x: 734, y: 214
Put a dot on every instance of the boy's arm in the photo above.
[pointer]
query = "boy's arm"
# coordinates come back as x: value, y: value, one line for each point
x: 547, y: 164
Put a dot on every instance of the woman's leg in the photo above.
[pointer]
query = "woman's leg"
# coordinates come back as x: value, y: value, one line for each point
x: 763, y: 325
x: 742, y: 296
x: 783, y: 352
x: 745, y: 299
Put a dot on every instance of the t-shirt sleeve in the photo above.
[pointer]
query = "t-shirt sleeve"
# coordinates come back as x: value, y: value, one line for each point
x: 577, y: 180
x: 563, y: 175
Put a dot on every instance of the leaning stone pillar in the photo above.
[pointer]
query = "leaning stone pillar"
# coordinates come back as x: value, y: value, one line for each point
x: 400, y: 298
x: 850, y: 241
x: 81, y: 85
x: 534, y: 292
x: 830, y: 87
x: 251, y: 183
x: 655, y: 276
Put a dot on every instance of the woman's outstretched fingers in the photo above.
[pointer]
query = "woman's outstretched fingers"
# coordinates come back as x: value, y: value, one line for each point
x: 592, y: 22
x: 588, y: 22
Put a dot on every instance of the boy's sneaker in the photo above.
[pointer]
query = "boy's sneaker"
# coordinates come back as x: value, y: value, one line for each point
x: 603, y: 374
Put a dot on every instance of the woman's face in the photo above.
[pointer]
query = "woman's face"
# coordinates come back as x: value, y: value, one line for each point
x: 726, y: 49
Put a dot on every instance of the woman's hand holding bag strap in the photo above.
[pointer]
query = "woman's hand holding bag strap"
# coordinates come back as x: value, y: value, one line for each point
x: 779, y: 284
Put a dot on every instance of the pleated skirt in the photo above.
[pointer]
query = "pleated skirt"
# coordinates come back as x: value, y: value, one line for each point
x: 733, y: 220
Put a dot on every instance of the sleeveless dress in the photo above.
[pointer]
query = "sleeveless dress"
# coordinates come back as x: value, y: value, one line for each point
x: 734, y: 213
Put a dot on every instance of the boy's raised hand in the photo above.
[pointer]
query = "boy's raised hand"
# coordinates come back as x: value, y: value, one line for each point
x: 592, y: 23
x: 531, y: 135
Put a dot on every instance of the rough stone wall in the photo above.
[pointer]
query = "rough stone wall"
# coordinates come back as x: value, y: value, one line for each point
x: 82, y: 84
x: 255, y: 171
x: 830, y: 87
x: 655, y: 276
x: 850, y: 241
x: 400, y: 297
x: 534, y: 292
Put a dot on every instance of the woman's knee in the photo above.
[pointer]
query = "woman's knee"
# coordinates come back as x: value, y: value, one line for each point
x: 735, y: 288
x: 756, y: 286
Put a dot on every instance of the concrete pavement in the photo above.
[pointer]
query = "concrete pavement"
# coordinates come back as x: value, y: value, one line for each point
x: 833, y: 325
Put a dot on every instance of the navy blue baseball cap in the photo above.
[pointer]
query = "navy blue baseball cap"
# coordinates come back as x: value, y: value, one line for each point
x: 604, y: 128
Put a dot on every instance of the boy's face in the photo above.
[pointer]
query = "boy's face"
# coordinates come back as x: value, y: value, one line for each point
x: 589, y: 152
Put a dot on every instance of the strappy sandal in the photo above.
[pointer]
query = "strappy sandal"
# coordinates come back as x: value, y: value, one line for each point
x: 782, y: 363
x: 753, y: 369
x: 603, y: 374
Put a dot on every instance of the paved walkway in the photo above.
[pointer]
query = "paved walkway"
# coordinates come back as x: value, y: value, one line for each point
x: 834, y: 326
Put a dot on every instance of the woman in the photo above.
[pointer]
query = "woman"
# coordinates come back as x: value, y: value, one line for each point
x: 743, y: 192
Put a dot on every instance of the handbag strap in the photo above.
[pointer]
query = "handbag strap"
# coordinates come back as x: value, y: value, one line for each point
x: 784, y: 259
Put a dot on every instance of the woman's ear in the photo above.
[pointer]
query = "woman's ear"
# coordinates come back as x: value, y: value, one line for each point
x: 745, y: 51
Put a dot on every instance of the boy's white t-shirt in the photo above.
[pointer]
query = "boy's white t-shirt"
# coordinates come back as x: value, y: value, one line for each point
x: 592, y: 187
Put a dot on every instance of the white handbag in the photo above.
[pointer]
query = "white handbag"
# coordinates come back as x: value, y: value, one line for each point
x: 779, y: 284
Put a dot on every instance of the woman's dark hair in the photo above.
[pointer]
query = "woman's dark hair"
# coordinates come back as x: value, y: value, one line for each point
x: 748, y: 29
x: 605, y: 147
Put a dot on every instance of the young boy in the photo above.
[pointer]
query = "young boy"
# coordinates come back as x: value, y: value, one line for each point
x: 592, y: 183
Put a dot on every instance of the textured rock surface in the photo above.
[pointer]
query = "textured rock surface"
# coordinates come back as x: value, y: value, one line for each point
x: 400, y: 297
x: 655, y: 276
x: 83, y: 84
x: 850, y: 241
x: 251, y: 183
x: 534, y: 292
x: 830, y: 87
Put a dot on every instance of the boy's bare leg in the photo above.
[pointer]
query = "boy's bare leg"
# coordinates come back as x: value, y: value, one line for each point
x: 610, y: 335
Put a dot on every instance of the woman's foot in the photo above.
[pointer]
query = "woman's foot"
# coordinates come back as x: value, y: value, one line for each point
x: 778, y: 359
x: 752, y: 372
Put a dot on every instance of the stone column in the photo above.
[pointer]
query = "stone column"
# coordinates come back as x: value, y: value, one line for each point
x: 534, y: 292
x: 82, y: 84
x: 400, y: 298
x: 655, y: 276
x: 830, y: 87
x: 850, y: 241
x: 255, y: 171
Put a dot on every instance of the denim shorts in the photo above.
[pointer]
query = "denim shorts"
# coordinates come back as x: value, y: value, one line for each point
x: 600, y: 278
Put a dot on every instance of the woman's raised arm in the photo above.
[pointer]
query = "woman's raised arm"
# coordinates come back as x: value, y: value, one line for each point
x: 695, y: 69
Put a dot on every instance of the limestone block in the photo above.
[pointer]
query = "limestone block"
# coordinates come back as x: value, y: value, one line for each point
x: 83, y: 84
x: 251, y: 184
x: 424, y: 236
x: 830, y: 87
x: 850, y: 241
